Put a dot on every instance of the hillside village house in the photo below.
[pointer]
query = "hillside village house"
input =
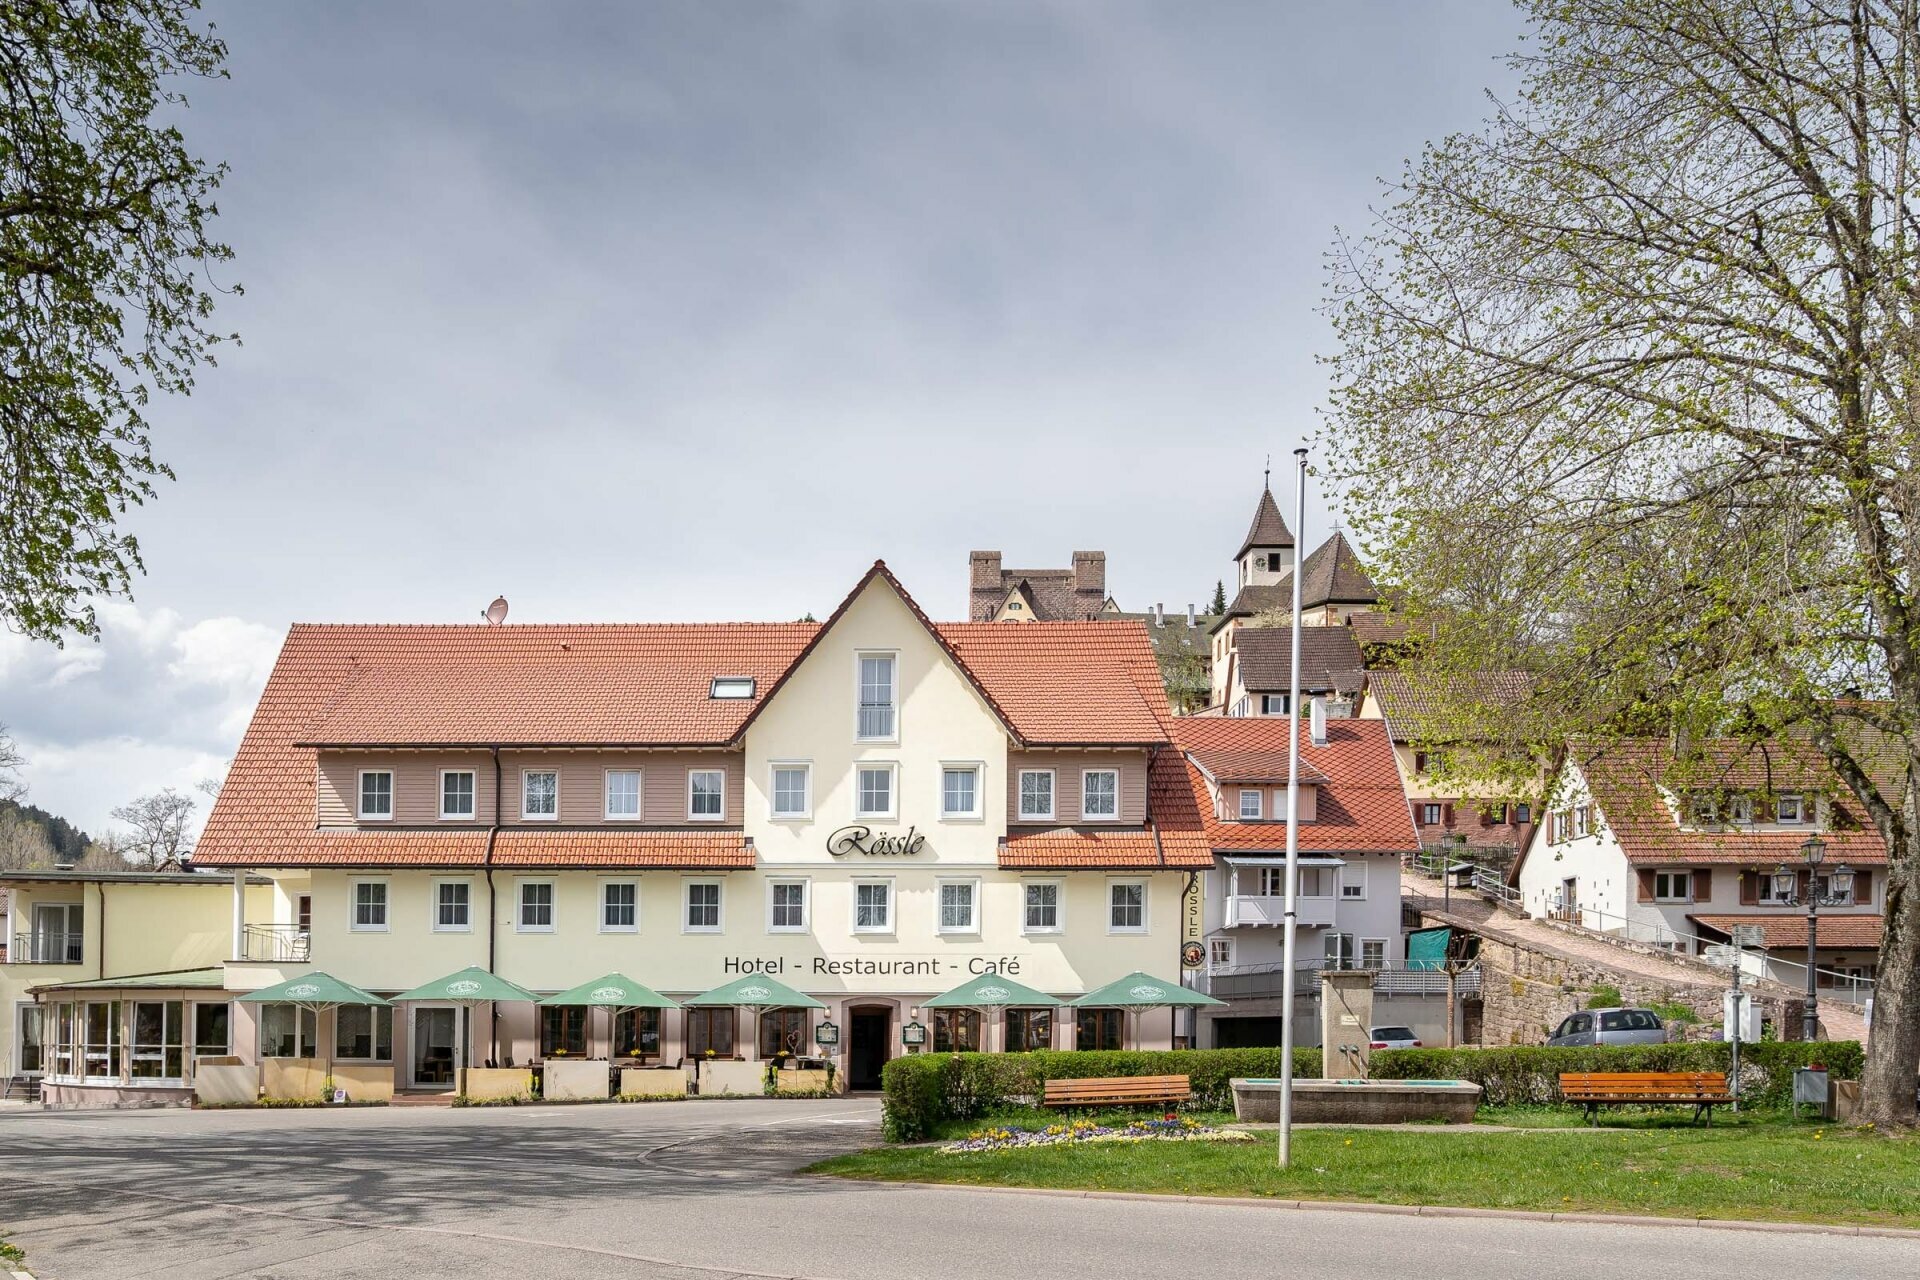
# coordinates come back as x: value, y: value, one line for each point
x: 1354, y: 829
x: 1679, y: 857
x: 870, y: 810
x: 1332, y: 671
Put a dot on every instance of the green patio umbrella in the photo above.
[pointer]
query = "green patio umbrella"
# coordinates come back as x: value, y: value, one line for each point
x: 468, y: 988
x: 614, y: 991
x: 990, y: 991
x: 1138, y: 991
x: 755, y: 991
x: 316, y: 993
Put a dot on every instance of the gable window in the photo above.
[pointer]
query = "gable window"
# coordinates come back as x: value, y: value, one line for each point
x: 1703, y: 811
x: 619, y: 906
x: 376, y: 795
x: 540, y: 795
x: 1275, y: 704
x: 1353, y: 882
x: 1127, y: 906
x: 873, y: 906
x: 1789, y: 808
x: 960, y: 791
x: 456, y: 793
x: 1036, y: 793
x: 1673, y: 886
x: 874, y: 791
x: 1100, y: 795
x: 877, y: 719
x: 1582, y: 820
x: 623, y: 794
x: 1250, y: 804
x: 706, y: 795
x: 536, y: 906
x: 1741, y: 808
x: 369, y: 906
x: 452, y: 906
x: 731, y: 687
x: 702, y: 907
x: 959, y: 906
x: 1042, y: 906
x: 792, y: 790
x: 786, y: 906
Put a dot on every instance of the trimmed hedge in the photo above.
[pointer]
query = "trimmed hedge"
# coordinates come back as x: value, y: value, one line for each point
x: 923, y: 1091
x: 1530, y: 1073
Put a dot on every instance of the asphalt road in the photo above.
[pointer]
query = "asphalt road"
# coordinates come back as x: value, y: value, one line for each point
x: 695, y: 1191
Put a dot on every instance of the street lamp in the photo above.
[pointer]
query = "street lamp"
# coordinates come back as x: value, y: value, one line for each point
x: 1839, y: 892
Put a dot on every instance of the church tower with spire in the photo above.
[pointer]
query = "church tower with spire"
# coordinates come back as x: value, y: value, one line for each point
x: 1267, y: 555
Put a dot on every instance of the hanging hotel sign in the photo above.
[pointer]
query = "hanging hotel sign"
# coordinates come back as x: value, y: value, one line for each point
x: 865, y: 840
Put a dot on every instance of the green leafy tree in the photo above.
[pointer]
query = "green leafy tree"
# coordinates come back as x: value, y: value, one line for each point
x: 1626, y: 397
x: 104, y: 296
x: 1219, y: 603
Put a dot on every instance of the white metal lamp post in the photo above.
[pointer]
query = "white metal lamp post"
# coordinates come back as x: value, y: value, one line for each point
x: 1294, y: 725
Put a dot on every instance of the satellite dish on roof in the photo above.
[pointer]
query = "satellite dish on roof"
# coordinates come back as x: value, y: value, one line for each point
x: 496, y: 612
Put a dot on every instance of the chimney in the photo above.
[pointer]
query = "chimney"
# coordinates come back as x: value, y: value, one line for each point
x: 1318, y: 718
x: 1192, y: 621
x: 1159, y: 614
x: 1090, y: 575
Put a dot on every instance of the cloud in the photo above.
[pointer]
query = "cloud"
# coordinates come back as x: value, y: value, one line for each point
x: 156, y: 701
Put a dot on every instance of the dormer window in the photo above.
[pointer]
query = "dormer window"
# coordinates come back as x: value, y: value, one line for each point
x: 1251, y: 805
x: 731, y: 687
x: 1703, y: 811
x: 1789, y: 808
x: 1741, y: 809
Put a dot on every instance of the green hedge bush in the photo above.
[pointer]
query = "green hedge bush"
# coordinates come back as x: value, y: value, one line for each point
x: 923, y: 1091
x: 1530, y: 1073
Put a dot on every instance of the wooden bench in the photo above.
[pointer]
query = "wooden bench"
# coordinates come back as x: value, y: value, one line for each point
x: 1701, y: 1090
x: 1102, y: 1091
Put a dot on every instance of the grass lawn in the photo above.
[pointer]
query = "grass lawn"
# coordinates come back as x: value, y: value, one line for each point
x: 1762, y: 1167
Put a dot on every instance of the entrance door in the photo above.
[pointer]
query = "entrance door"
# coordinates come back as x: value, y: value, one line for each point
x: 1570, y: 900
x: 866, y: 1047
x: 434, y: 1030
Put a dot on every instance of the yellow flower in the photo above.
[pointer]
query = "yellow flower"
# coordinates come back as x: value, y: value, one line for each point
x: 1349, y: 1141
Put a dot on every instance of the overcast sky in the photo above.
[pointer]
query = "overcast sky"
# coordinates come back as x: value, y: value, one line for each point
x: 690, y: 311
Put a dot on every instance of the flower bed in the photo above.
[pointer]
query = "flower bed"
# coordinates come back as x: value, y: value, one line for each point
x: 1079, y: 1132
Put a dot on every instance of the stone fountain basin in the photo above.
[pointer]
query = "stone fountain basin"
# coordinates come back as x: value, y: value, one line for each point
x: 1358, y: 1101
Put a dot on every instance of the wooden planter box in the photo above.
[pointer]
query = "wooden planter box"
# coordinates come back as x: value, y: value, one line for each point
x: 653, y: 1082
x: 574, y: 1079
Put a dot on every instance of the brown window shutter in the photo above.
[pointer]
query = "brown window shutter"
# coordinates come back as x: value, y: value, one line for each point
x: 1646, y: 887
x: 1749, y: 888
x: 1703, y: 884
x: 1863, y: 888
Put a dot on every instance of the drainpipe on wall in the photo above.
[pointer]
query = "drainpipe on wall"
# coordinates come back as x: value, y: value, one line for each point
x: 100, y: 959
x: 493, y: 1010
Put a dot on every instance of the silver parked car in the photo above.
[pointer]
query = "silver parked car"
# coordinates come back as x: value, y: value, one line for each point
x: 1609, y: 1026
x: 1392, y: 1038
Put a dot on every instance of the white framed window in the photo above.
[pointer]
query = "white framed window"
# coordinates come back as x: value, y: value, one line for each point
x: 376, y: 795
x: 1273, y: 881
x: 457, y: 796
x: 1741, y: 808
x: 1353, y: 882
x: 540, y: 795
x: 706, y: 795
x: 1251, y: 804
x: 1373, y: 953
x: 452, y: 906
x: 1702, y: 810
x: 1583, y: 820
x: 791, y: 789
x: 623, y: 795
x: 1339, y: 950
x: 1315, y: 882
x: 1036, y: 794
x: 960, y: 791
x: 1673, y: 886
x: 701, y: 910
x: 874, y: 790
x: 536, y: 907
x: 1041, y: 907
x: 1126, y: 906
x: 1273, y: 704
x: 786, y: 906
x: 878, y: 716
x: 369, y: 906
x: 1789, y: 808
x: 731, y: 687
x: 873, y: 906
x: 619, y: 906
x: 1430, y: 814
x: 1219, y: 955
x: 1100, y: 795
x: 1769, y: 896
x: 959, y: 906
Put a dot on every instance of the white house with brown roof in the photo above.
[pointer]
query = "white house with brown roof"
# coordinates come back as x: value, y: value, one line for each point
x: 1680, y: 853
x: 870, y: 810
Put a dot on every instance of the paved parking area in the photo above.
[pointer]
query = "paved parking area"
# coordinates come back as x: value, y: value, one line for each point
x: 697, y: 1190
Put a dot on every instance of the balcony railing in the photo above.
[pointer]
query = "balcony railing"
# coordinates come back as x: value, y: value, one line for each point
x: 1257, y: 909
x: 46, y: 947
x: 276, y: 943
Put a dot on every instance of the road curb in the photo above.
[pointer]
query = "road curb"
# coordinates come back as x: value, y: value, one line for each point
x: 1417, y: 1210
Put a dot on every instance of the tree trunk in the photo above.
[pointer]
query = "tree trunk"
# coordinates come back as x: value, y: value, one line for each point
x: 1893, y: 1042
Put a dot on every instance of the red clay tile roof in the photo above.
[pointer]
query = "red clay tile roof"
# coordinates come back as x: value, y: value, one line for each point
x: 1626, y: 780
x: 1790, y: 931
x: 1126, y: 849
x: 514, y: 847
x: 1068, y: 683
x: 1425, y: 708
x: 1329, y: 659
x: 1360, y: 808
x: 1253, y: 766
